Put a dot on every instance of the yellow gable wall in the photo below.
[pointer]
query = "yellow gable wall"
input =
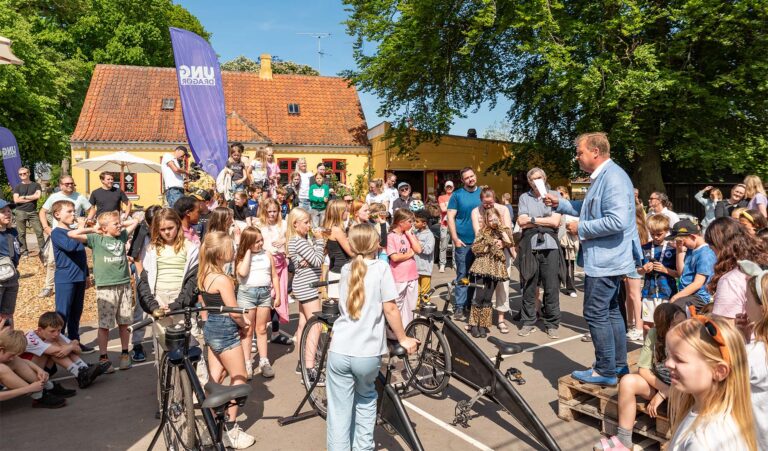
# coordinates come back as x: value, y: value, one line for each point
x: 149, y: 185
x: 452, y: 153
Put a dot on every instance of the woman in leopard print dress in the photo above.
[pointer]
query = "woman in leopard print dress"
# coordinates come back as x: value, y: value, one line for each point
x: 488, y: 269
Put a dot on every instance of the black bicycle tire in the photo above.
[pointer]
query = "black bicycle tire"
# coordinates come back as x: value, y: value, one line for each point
x: 444, y: 366
x: 180, y: 379
x: 319, y: 397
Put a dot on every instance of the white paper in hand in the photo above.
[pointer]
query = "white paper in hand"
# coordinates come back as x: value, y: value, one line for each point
x: 539, y: 183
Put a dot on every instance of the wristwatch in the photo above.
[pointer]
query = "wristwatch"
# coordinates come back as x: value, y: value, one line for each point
x: 533, y: 220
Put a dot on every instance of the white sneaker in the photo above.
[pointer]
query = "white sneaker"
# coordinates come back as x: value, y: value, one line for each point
x: 442, y: 268
x: 202, y: 371
x: 572, y: 294
x: 636, y: 335
x: 237, y: 438
x: 630, y: 331
x: 249, y: 370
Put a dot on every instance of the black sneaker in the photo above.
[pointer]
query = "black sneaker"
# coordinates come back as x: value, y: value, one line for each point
x: 313, y: 376
x: 86, y: 349
x: 458, y: 315
x: 61, y: 391
x: 138, y: 354
x: 49, y: 401
x: 86, y: 376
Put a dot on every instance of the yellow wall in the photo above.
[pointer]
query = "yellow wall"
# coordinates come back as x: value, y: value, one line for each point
x: 451, y: 153
x: 149, y: 185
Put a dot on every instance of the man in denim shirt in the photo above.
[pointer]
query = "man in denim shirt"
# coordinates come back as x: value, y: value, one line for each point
x: 610, y: 249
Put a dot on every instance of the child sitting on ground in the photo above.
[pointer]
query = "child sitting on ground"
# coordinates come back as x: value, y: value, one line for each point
x: 652, y: 379
x: 21, y: 377
x: 46, y: 347
x: 488, y: 269
x: 424, y: 259
x: 695, y: 264
x: 114, y: 295
x: 658, y: 269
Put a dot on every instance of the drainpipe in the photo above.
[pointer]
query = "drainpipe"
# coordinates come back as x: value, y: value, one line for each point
x: 87, y: 172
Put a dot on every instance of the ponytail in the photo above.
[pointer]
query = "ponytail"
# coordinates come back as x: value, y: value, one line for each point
x: 356, y: 296
x: 364, y: 241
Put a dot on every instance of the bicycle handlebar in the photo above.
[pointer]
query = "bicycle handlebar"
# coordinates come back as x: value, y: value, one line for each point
x: 461, y: 283
x: 322, y: 283
x: 222, y: 309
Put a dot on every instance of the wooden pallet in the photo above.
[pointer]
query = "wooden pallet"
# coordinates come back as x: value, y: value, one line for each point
x: 576, y: 399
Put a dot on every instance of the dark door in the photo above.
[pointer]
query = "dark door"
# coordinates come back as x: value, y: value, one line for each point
x: 415, y: 179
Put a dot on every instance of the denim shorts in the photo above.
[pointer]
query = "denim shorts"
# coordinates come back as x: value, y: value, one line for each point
x: 634, y: 275
x: 221, y: 333
x: 250, y: 297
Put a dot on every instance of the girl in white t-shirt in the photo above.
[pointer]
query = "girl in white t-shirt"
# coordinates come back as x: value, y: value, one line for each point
x: 710, y: 401
x: 259, y: 169
x: 367, y: 295
x: 754, y: 326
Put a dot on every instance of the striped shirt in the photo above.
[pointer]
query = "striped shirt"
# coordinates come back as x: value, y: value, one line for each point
x: 301, y: 250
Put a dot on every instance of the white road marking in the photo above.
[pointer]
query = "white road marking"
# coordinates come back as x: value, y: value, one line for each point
x: 447, y: 427
x: 552, y: 343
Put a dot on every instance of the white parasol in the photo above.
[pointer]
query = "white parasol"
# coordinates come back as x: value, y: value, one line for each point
x: 119, y: 162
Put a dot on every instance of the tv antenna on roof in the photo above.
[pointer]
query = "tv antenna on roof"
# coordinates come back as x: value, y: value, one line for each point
x: 320, y: 53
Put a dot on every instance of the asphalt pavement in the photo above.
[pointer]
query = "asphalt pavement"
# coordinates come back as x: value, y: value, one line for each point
x: 117, y: 412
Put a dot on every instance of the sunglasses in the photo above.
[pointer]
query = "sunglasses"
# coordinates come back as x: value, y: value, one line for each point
x: 69, y: 184
x: 714, y: 332
x: 23, y: 173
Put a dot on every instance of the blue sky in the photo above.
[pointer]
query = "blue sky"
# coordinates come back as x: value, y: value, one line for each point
x: 249, y: 28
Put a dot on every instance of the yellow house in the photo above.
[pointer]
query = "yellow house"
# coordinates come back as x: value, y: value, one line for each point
x: 137, y: 109
x: 438, y: 162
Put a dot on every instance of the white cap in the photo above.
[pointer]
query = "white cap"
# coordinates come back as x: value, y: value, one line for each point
x: 449, y: 183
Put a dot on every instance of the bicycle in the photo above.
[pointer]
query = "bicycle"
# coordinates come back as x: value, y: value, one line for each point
x: 179, y: 387
x: 390, y: 411
x: 446, y: 351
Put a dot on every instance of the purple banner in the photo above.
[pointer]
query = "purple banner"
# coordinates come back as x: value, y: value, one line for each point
x: 202, y: 99
x: 11, y: 156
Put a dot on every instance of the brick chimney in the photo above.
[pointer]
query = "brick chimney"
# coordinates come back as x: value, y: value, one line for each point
x: 265, y: 67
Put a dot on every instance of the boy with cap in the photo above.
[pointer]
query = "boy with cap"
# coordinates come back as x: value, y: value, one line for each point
x: 695, y: 264
x: 404, y: 199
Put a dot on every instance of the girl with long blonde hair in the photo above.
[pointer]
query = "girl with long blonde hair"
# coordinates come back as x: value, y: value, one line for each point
x: 755, y: 193
x: 256, y: 273
x: 337, y: 246
x: 710, y: 403
x: 273, y: 229
x: 753, y: 324
x: 307, y: 255
x: 222, y: 331
x: 367, y: 296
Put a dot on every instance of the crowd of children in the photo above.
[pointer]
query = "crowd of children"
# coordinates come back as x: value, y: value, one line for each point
x: 702, y: 311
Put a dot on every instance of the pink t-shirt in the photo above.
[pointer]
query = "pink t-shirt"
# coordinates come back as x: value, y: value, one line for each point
x: 731, y: 295
x: 406, y: 270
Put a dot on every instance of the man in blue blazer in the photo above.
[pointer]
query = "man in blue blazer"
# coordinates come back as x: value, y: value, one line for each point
x: 609, y: 248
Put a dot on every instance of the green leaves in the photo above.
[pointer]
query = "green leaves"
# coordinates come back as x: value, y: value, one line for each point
x: 60, y: 43
x: 681, y: 82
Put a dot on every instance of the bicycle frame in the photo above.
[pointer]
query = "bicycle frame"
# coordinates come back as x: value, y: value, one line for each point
x: 471, y: 366
x: 184, y: 357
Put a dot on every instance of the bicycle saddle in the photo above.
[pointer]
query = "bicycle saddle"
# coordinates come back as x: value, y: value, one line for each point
x: 505, y: 347
x: 219, y: 395
x: 397, y: 351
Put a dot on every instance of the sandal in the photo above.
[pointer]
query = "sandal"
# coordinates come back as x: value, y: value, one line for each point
x: 614, y: 445
x: 503, y: 328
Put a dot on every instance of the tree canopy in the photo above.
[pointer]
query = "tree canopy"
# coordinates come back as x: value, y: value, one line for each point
x: 680, y: 82
x: 60, y: 42
x: 245, y: 64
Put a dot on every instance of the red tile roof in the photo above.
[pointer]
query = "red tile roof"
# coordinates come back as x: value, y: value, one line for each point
x: 123, y: 104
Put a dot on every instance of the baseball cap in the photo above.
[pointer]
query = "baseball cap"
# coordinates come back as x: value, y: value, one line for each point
x: 202, y: 195
x: 449, y: 183
x: 402, y: 184
x: 683, y: 227
x: 4, y: 203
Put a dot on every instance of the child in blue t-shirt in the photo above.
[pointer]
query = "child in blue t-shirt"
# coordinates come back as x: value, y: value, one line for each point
x: 71, y: 268
x: 659, y: 268
x: 695, y: 263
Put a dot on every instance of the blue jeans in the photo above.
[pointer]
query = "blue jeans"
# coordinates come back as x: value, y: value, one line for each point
x: 351, y: 401
x: 172, y: 195
x: 601, y: 311
x: 304, y: 203
x: 463, y: 259
x: 69, y: 304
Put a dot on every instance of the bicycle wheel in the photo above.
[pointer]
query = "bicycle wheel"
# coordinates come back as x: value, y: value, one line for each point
x: 180, y: 431
x: 434, y: 356
x: 313, y: 355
